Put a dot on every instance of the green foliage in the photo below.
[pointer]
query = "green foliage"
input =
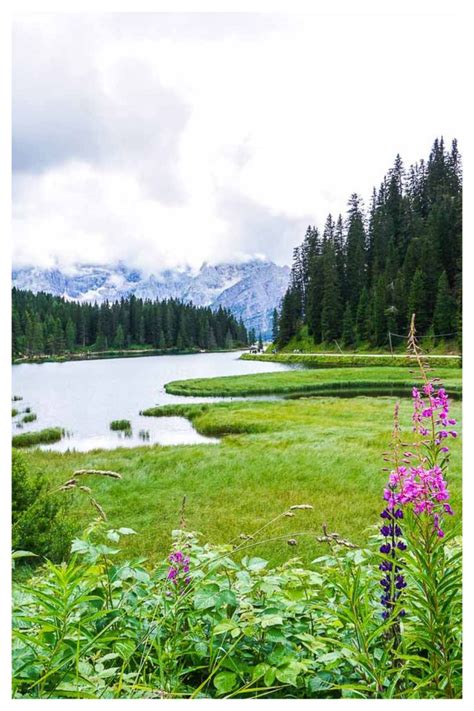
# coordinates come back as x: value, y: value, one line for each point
x: 14, y: 412
x: 120, y: 425
x: 101, y: 628
x: 31, y: 417
x: 28, y: 439
x: 39, y: 519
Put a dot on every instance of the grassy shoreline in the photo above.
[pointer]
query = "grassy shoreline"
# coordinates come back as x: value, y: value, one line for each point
x: 104, y: 355
x: 354, y: 360
x: 322, y: 381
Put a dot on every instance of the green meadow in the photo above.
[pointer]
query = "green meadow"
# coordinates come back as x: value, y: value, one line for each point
x: 379, y: 379
x: 326, y: 452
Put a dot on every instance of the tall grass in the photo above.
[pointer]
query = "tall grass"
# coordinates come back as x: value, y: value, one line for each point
x: 28, y: 439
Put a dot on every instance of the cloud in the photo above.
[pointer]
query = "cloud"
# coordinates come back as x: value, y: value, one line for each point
x: 172, y: 139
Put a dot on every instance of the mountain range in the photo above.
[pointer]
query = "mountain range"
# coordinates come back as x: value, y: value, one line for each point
x: 250, y: 290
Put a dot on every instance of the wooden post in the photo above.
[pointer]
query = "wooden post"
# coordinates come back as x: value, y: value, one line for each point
x: 390, y: 340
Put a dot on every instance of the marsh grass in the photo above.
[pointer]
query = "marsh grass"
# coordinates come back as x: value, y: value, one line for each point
x: 325, y: 451
x: 329, y: 381
x: 14, y: 412
x: 28, y: 439
x: 123, y: 425
x: 31, y: 417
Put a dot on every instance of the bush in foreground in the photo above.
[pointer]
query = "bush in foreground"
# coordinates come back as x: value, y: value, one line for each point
x: 39, y: 520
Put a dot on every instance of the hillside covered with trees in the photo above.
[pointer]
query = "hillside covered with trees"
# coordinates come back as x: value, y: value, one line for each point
x: 50, y: 325
x: 363, y: 276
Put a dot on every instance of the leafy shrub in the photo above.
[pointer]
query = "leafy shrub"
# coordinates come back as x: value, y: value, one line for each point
x: 120, y: 425
x: 207, y: 624
x: 39, y: 520
x: 28, y: 439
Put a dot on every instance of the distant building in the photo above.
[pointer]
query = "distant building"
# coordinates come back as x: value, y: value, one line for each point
x: 254, y: 349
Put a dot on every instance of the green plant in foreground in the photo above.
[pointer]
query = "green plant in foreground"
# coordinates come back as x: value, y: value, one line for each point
x: 40, y: 521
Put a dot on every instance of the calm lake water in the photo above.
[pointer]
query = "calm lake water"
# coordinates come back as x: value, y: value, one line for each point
x: 83, y: 397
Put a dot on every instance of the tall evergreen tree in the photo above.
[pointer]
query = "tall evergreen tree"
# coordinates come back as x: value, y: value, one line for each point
x: 444, y: 321
x: 275, y: 326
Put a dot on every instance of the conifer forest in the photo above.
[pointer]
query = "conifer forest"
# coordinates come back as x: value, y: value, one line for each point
x: 362, y: 277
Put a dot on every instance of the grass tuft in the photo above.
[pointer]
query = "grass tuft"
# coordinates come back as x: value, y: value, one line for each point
x: 28, y: 439
x: 120, y: 425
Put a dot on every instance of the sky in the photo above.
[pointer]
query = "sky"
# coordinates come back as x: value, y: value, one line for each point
x: 166, y: 140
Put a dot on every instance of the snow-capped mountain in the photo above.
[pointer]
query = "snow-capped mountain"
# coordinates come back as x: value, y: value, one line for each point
x: 250, y: 290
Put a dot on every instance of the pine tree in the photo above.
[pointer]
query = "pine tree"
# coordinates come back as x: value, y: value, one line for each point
x: 444, y: 320
x: 275, y: 327
x: 355, y: 250
x: 363, y: 318
x: 229, y: 343
x: 379, y: 319
x: 417, y: 302
x: 70, y: 335
x: 348, y: 331
x: 119, y: 340
x: 260, y: 342
x: 331, y: 312
x: 38, y: 338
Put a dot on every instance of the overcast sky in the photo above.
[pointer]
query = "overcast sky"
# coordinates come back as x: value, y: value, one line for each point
x: 166, y: 140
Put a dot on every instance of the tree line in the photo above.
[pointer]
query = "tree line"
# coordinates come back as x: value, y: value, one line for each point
x: 43, y: 324
x: 364, y: 275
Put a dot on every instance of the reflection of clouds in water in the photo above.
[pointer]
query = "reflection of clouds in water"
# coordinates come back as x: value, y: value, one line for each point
x: 83, y: 397
x: 172, y: 431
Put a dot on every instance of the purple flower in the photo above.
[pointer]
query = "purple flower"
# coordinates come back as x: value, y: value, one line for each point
x: 177, y: 572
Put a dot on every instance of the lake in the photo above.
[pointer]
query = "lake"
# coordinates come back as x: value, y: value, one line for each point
x: 83, y: 397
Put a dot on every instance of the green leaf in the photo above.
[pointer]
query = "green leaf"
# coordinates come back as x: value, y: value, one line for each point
x: 271, y: 620
x: 254, y: 564
x: 127, y: 532
x: 225, y: 626
x: 288, y: 674
x: 269, y: 677
x: 227, y: 597
x: 225, y: 682
x: 206, y: 597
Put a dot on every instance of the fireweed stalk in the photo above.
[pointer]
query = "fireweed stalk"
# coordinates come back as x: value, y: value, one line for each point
x: 178, y: 572
x: 393, y: 581
x: 417, y: 481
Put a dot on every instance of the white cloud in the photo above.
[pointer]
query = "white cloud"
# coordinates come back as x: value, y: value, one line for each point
x: 166, y: 140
